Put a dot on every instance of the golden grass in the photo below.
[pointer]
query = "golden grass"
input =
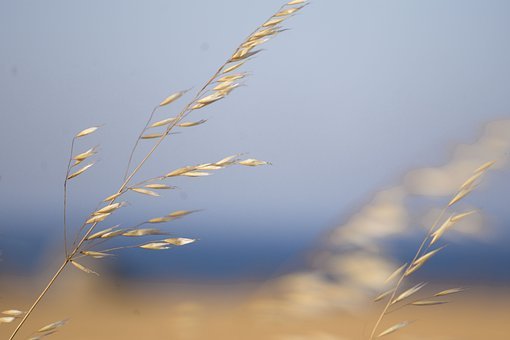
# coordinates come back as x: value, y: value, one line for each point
x: 218, y: 87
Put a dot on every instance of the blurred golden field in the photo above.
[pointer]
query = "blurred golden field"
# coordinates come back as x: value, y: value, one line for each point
x: 102, y: 309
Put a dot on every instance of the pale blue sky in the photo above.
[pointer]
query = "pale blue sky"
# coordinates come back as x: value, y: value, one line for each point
x: 354, y: 95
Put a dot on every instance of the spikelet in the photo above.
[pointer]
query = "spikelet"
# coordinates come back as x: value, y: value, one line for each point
x: 485, y: 166
x: 84, y: 155
x: 52, y: 326
x: 383, y: 295
x: 7, y: 319
x: 95, y: 254
x: 233, y: 67
x: 112, y: 197
x: 101, y: 233
x: 273, y: 22
x: 179, y: 241
x: 396, y: 273
x: 394, y: 328
x: 145, y: 192
x: 155, y: 246
x: 195, y: 174
x: 152, y: 136
x: 143, y: 232
x: 190, y: 124
x: 211, y: 98
x: 13, y: 312
x: 253, y: 162
x: 171, y: 98
x: 232, y: 77
x: 163, y: 122
x: 97, y: 218
x: 180, y: 171
x: 86, y: 132
x: 113, y: 233
x: 110, y: 208
x: 79, y: 172
x: 428, y: 303
x: 83, y: 269
x: 408, y: 292
x: 158, y: 186
x: 450, y: 291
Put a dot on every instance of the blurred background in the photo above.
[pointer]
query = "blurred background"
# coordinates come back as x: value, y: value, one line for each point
x: 371, y: 113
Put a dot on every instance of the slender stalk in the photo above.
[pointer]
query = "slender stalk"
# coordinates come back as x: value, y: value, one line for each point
x: 402, y: 276
x: 65, y: 194
x: 127, y: 178
x: 138, y: 141
x: 39, y: 298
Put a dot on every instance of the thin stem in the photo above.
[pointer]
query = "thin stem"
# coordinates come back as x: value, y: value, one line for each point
x: 138, y: 141
x: 39, y: 298
x: 187, y: 109
x: 65, y: 194
x: 402, y: 276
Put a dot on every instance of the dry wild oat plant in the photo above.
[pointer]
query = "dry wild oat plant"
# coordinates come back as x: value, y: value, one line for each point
x: 92, y: 234
x: 397, y: 298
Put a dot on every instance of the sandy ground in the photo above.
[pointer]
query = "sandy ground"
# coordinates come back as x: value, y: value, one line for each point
x: 103, y: 309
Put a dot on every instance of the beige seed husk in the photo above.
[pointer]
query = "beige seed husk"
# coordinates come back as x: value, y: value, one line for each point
x: 152, y: 135
x: 408, y: 292
x: 253, y: 162
x: 83, y: 269
x: 160, y: 219
x: 272, y: 22
x: 428, y: 303
x: 145, y: 192
x: 54, y: 325
x: 232, y: 77
x: 470, y: 181
x: 383, y: 295
x: 460, y: 195
x: 171, y: 98
x: 197, y: 106
x: 485, y: 166
x: 143, y: 232
x: 211, y: 98
x: 180, y: 171
x: 427, y: 256
x: 295, y: 2
x: 112, y: 197
x: 223, y: 85
x: 396, y: 273
x: 86, y: 132
x: 84, y: 155
x: 158, y: 186
x: 163, y: 122
x: 180, y: 213
x: 458, y: 217
x: 13, y: 312
x: 156, y: 246
x: 112, y: 234
x: 79, y: 172
x: 196, y: 174
x: 97, y: 218
x: 450, y: 291
x: 109, y: 208
x: 190, y: 124
x: 441, y: 230
x: 179, y: 241
x: 95, y: 254
x: 394, y: 328
x: 233, y: 67
x: 101, y: 233
x: 244, y: 54
x: 7, y: 319
x: 287, y: 11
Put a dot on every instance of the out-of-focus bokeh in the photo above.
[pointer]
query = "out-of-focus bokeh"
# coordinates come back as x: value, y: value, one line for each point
x: 372, y: 114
